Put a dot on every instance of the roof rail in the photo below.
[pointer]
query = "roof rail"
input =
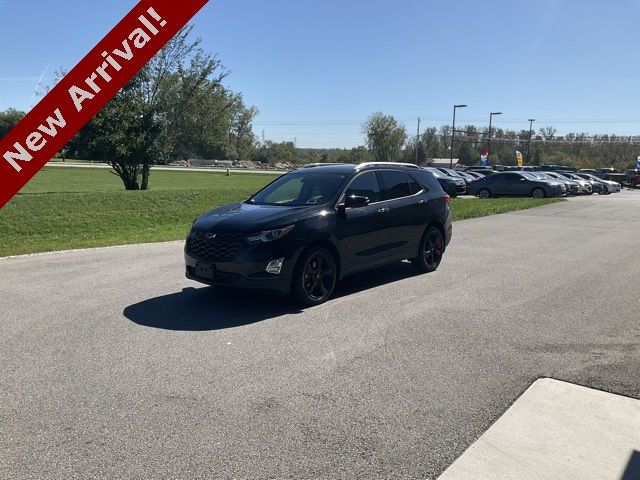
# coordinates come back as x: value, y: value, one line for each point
x: 400, y: 164
x: 320, y: 164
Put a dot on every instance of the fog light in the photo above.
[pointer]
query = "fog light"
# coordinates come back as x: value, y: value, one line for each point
x: 275, y: 266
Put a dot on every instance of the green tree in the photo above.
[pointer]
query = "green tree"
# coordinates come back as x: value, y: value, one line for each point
x: 9, y: 119
x: 272, y: 153
x: 242, y: 140
x: 434, y: 143
x: 385, y: 137
x: 176, y: 106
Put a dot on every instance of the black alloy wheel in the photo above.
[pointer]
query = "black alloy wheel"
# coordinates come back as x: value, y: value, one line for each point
x: 315, y: 277
x: 484, y: 193
x: 431, y: 251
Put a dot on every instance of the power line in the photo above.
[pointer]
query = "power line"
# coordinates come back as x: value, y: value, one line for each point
x: 433, y: 118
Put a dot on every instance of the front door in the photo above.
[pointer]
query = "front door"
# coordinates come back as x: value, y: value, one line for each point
x: 364, y: 232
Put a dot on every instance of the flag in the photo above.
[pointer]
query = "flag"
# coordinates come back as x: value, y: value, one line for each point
x: 519, y: 159
x: 484, y: 158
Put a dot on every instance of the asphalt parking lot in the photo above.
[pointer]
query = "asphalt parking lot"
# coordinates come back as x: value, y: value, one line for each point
x: 113, y: 365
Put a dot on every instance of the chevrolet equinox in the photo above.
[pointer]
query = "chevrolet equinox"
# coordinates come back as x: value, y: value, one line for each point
x: 311, y: 227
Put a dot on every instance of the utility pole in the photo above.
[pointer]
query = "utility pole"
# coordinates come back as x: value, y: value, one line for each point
x: 417, y: 140
x: 453, y: 132
x: 531, y: 120
x: 489, y: 136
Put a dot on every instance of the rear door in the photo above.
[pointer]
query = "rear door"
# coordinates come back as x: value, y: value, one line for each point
x: 515, y: 184
x: 407, y: 215
x: 364, y: 233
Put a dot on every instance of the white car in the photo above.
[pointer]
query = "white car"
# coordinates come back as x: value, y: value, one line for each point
x: 584, y: 187
x: 611, y: 186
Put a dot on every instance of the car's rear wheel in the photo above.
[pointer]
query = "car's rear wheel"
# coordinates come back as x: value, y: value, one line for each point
x: 431, y: 251
x: 538, y: 193
x: 484, y: 193
x: 605, y: 190
x: 314, y: 277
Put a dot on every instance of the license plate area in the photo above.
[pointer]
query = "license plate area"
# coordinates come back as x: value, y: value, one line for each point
x: 205, y: 270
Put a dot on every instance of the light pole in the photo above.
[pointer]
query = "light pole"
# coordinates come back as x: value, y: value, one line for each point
x: 453, y: 131
x: 489, y: 136
x: 531, y: 120
x: 417, y: 140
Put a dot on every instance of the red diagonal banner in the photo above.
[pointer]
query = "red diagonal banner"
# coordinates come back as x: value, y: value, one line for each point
x: 86, y: 88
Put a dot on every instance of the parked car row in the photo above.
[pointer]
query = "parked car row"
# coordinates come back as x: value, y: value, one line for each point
x: 525, y: 182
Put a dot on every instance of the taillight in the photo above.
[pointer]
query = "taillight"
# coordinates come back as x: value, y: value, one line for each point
x: 447, y: 199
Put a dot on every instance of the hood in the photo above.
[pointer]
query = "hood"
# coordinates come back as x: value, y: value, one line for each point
x: 244, y: 217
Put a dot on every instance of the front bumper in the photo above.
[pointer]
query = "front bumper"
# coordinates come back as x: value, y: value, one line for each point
x: 247, y: 269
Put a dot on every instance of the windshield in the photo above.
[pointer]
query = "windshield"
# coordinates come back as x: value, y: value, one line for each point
x: 436, y: 173
x: 561, y: 176
x: 297, y: 189
x: 529, y: 175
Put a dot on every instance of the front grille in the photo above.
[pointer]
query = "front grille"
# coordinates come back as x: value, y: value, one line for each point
x: 224, y: 247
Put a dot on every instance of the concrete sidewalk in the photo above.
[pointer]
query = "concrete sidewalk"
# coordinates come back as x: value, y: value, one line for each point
x: 557, y: 430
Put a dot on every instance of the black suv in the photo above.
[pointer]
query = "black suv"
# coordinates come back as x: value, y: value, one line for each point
x: 311, y: 227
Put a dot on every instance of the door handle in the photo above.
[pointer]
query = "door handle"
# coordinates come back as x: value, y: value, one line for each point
x: 423, y: 202
x: 383, y: 210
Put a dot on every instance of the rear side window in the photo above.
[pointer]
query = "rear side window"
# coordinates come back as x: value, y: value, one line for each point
x: 415, y: 186
x: 365, y: 185
x: 427, y: 179
x: 396, y: 184
x: 512, y: 177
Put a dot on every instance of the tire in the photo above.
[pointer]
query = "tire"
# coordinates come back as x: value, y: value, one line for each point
x: 606, y: 191
x: 484, y: 193
x: 314, y: 277
x: 538, y: 193
x: 430, y: 252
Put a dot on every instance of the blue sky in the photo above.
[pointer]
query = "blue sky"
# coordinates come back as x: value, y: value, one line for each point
x: 316, y: 70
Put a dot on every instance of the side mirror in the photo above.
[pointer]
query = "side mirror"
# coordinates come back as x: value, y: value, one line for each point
x: 355, y: 201
x: 352, y: 201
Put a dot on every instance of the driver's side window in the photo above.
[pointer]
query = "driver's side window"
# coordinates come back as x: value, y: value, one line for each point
x: 365, y: 185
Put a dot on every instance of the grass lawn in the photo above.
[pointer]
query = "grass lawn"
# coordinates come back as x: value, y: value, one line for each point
x: 464, y: 208
x: 63, y: 208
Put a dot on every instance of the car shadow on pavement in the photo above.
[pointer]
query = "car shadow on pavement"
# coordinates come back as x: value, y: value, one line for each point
x: 214, y: 308
x: 632, y: 472
x: 208, y: 308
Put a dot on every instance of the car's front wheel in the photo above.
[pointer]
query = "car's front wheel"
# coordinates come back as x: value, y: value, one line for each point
x: 431, y: 251
x: 538, y: 193
x: 314, y: 277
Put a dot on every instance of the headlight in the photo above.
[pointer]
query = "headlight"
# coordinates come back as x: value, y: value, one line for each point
x: 270, y: 235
